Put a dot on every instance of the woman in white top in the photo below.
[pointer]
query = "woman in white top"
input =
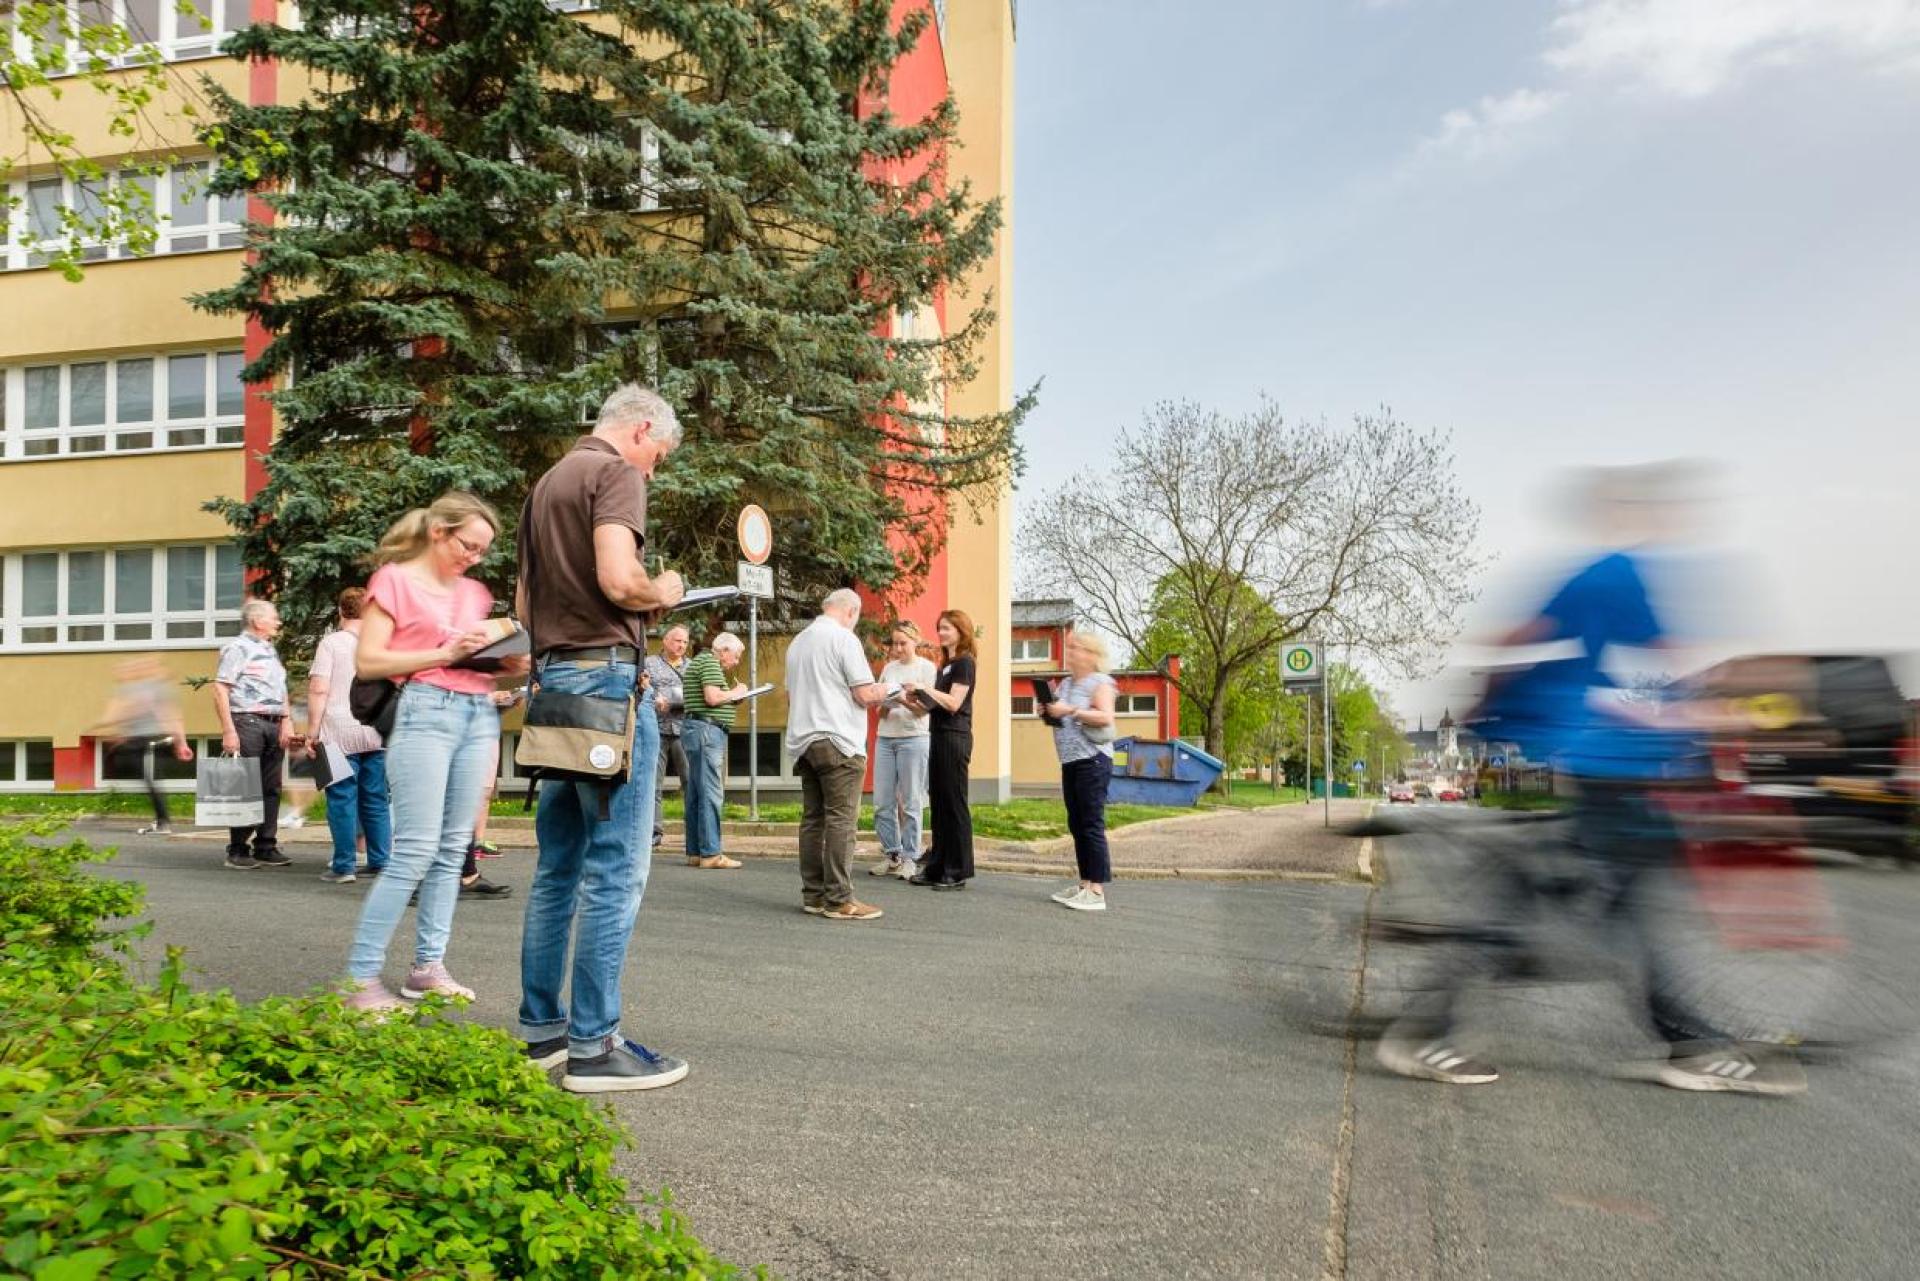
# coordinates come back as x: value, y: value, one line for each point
x: 357, y: 804
x: 1083, y: 706
x: 900, y: 759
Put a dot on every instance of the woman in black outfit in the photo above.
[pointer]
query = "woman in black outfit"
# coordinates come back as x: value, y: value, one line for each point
x: 949, y: 864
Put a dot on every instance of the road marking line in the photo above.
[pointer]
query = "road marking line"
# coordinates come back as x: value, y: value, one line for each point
x: 1333, y: 1263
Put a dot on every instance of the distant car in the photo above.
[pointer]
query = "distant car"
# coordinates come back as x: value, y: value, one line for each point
x: 1449, y: 794
x: 1400, y: 794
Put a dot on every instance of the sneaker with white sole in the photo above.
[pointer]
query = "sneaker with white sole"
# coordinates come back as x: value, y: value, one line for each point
x: 370, y: 996
x: 338, y: 878
x: 908, y: 869
x: 1432, y: 1059
x: 1062, y: 895
x: 154, y: 829
x: 1086, y: 900
x: 888, y: 866
x: 852, y: 910
x: 1732, y: 1070
x: 548, y: 1054
x: 433, y: 977
x: 623, y: 1065
x: 814, y: 909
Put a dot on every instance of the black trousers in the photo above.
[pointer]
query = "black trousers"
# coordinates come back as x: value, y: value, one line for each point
x: 260, y: 737
x: 673, y: 760
x: 1084, y: 785
x: 951, y: 858
x: 139, y: 751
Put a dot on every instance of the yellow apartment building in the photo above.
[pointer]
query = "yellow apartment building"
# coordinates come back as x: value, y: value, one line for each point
x: 122, y: 413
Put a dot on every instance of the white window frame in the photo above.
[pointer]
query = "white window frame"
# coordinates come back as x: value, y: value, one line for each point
x: 224, y: 227
x: 1131, y: 705
x: 215, y: 623
x: 180, y: 39
x: 210, y: 429
x: 13, y: 766
x: 205, y: 747
x: 1023, y: 645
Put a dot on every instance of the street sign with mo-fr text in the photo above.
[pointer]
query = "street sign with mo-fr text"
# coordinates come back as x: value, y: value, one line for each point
x: 755, y: 580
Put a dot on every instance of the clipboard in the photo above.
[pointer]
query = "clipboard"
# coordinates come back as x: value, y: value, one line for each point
x: 755, y: 692
x: 510, y: 641
x: 698, y: 596
x: 1043, y: 697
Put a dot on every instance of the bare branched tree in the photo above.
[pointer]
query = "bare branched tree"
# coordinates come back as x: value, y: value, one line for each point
x: 1253, y: 530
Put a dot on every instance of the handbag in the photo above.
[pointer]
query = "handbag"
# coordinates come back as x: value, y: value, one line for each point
x: 374, y: 702
x: 578, y: 738
x: 227, y: 792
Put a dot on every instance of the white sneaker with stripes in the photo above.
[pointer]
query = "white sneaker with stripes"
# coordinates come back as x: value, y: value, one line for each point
x: 1733, y: 1070
x: 1435, y: 1059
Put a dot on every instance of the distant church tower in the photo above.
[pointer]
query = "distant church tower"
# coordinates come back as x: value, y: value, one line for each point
x: 1449, y: 741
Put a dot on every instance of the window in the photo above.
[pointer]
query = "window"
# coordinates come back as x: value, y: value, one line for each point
x: 191, y: 218
x: 172, y: 30
x: 1136, y: 704
x: 1023, y: 705
x: 1032, y: 649
x: 769, y: 761
x: 26, y: 763
x: 98, y: 598
x: 191, y: 400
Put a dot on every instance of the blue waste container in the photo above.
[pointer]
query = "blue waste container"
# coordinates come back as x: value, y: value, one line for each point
x: 1152, y: 771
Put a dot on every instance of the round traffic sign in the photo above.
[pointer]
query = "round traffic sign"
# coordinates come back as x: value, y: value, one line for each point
x: 755, y: 532
x: 1300, y: 660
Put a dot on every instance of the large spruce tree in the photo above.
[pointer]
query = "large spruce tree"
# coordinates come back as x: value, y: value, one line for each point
x: 490, y: 213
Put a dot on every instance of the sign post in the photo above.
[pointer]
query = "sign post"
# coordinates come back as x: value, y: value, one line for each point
x: 1301, y: 669
x: 755, y: 533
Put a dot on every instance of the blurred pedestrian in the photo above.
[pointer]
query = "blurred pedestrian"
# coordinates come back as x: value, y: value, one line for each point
x: 472, y: 884
x: 585, y: 595
x: 666, y: 672
x: 703, y: 736
x: 1083, y: 706
x: 357, y: 802
x: 829, y: 687
x: 900, y: 748
x: 949, y: 864
x: 142, y: 718
x: 422, y: 616
x: 250, y: 697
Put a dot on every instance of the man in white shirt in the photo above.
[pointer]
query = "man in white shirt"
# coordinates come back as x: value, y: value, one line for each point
x: 829, y: 687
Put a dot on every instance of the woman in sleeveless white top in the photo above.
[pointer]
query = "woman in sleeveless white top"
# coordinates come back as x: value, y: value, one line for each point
x: 1083, y: 706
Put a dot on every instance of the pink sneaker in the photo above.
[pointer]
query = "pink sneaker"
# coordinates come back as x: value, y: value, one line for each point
x: 433, y: 977
x: 370, y: 996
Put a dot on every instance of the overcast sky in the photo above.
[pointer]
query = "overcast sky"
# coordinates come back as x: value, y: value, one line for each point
x: 1566, y: 231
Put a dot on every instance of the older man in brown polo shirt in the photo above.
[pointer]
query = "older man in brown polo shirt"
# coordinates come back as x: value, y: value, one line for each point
x: 585, y: 596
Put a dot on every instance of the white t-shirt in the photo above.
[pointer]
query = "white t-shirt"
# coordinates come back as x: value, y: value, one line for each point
x: 824, y: 664
x: 898, y: 722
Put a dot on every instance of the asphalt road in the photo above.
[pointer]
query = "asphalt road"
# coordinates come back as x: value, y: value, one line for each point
x: 985, y: 1085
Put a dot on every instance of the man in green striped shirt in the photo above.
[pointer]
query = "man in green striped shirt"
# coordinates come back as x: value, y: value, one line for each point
x: 711, y: 696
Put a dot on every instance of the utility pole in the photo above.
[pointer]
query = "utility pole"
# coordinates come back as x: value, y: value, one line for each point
x: 1326, y: 744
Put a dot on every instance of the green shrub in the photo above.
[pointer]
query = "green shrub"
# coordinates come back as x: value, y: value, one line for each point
x: 151, y: 1130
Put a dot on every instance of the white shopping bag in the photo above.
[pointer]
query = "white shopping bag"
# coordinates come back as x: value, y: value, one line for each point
x: 227, y: 792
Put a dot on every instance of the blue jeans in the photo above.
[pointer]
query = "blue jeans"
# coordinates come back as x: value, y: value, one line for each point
x: 703, y: 791
x: 589, y: 879
x: 899, y: 793
x: 358, y: 803
x: 437, y: 771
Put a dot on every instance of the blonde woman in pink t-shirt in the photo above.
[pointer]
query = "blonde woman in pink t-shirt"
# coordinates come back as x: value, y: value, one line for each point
x: 422, y: 617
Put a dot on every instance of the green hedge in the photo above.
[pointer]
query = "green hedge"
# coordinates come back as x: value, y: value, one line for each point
x: 149, y: 1130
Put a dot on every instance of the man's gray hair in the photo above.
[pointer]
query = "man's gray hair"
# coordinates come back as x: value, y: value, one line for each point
x: 255, y: 610
x: 682, y: 628
x: 729, y: 642
x: 841, y: 598
x: 632, y: 403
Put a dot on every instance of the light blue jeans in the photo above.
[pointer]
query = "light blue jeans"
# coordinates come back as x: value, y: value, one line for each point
x: 589, y: 880
x: 358, y: 805
x: 704, y: 790
x: 899, y: 793
x: 436, y: 773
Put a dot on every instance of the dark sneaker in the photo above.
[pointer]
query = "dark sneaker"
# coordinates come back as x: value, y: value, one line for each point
x: 271, y: 858
x: 368, y: 869
x: 481, y: 887
x: 626, y: 1065
x: 548, y: 1054
x: 1438, y: 1059
x: 337, y: 878
x: 1731, y: 1070
x: 241, y: 862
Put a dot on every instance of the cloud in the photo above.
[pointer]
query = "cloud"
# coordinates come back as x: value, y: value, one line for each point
x: 1493, y: 124
x: 1692, y: 48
